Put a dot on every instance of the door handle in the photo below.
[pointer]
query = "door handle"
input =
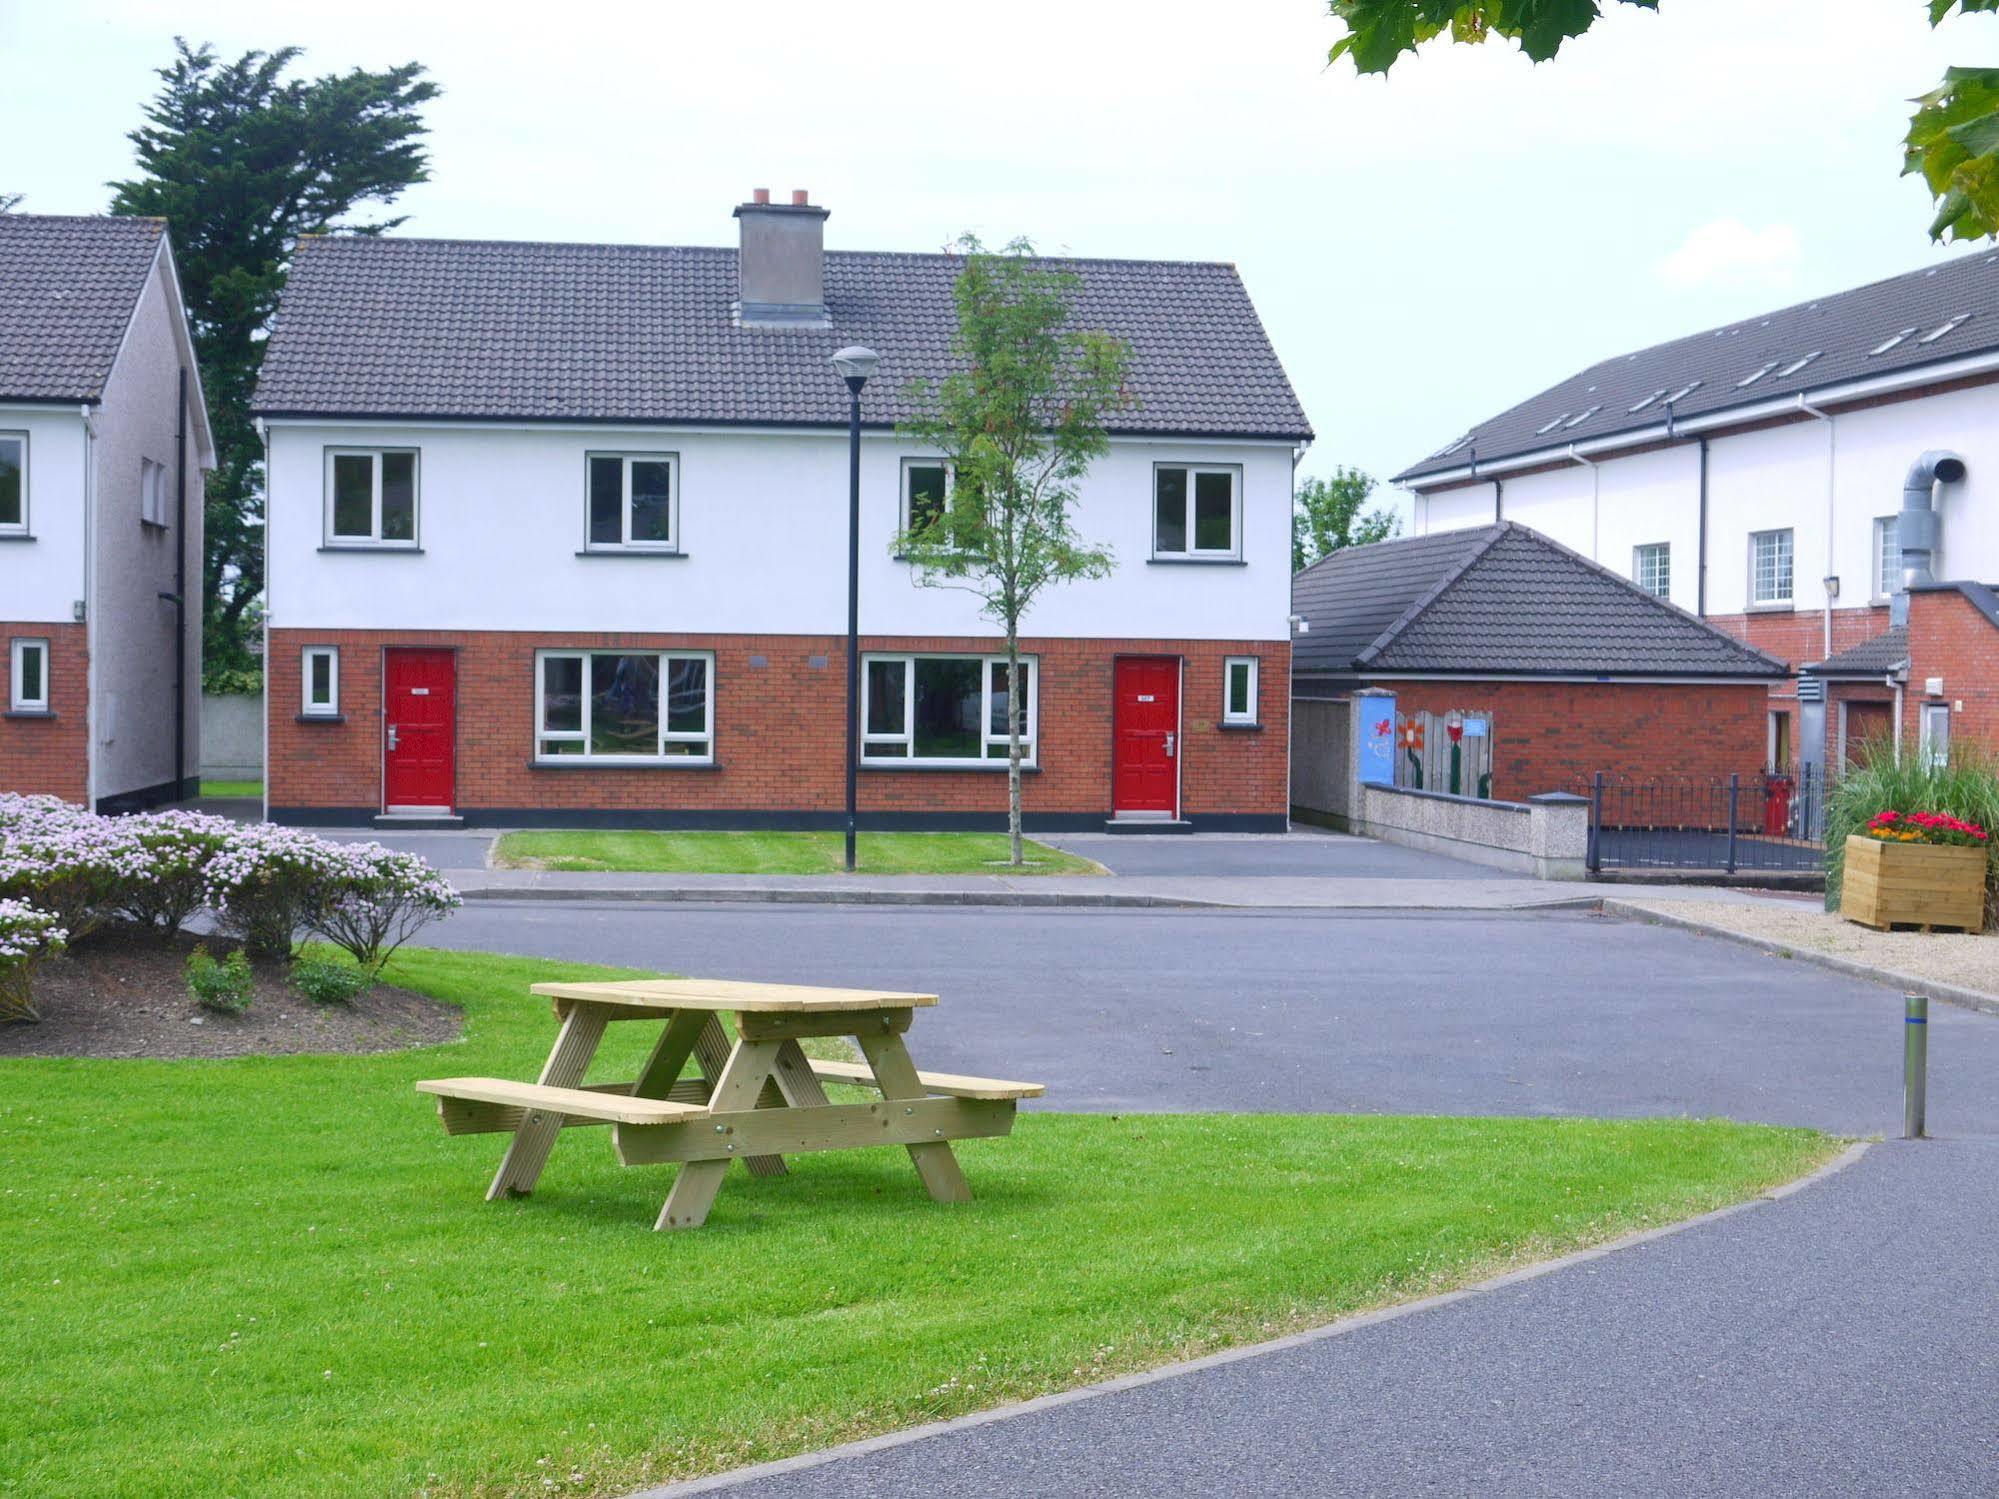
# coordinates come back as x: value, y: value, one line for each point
x: 392, y: 737
x: 1169, y: 745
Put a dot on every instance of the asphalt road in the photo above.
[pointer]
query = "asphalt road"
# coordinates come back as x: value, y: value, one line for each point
x: 1844, y: 1341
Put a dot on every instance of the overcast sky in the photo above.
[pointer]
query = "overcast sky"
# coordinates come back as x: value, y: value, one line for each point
x: 1425, y: 250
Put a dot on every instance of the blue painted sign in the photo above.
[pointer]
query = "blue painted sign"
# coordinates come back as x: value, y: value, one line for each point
x: 1474, y: 728
x: 1374, y: 749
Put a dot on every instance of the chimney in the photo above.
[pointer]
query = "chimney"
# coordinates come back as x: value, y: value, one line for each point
x: 781, y: 266
x: 1916, y: 527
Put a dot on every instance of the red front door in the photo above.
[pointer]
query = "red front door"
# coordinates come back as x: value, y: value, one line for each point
x: 419, y: 746
x: 1145, y: 772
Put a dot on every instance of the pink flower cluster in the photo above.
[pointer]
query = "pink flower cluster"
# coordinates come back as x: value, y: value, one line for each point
x: 1924, y: 827
x: 27, y: 935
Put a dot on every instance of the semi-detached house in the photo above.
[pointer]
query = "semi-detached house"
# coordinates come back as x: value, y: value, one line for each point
x: 558, y: 535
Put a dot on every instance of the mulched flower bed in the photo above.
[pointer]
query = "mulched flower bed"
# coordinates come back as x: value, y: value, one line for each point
x: 123, y: 993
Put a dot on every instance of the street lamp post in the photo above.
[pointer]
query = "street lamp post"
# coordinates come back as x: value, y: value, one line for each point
x: 854, y: 364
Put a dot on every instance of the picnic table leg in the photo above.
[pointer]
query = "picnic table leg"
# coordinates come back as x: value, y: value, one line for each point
x: 712, y: 1051
x: 575, y: 1045
x: 934, y: 1161
x: 739, y: 1087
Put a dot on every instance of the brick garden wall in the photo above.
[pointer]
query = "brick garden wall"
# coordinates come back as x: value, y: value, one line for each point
x: 778, y: 720
x: 1553, y: 736
x: 48, y: 754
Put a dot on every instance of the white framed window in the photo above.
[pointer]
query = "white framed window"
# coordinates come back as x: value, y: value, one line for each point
x: 1239, y: 690
x: 625, y: 707
x: 1770, y: 567
x: 1887, y: 556
x: 1197, y: 511
x: 1652, y: 568
x: 14, y: 483
x: 28, y: 676
x: 1936, y: 734
x: 943, y: 710
x: 319, y: 681
x: 926, y: 491
x: 371, y: 497
x: 634, y: 501
x: 152, y: 493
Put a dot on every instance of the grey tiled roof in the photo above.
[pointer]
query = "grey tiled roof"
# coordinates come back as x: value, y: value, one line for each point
x: 68, y: 286
x: 1500, y: 599
x: 1886, y: 652
x: 1840, y: 329
x: 483, y: 329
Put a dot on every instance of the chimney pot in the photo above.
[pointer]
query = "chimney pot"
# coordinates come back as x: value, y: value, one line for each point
x: 799, y: 198
x: 761, y: 195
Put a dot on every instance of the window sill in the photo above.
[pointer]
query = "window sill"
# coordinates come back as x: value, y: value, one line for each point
x: 577, y: 762
x: 327, y: 718
x: 1195, y: 562
x: 30, y: 713
x: 960, y: 767
x: 384, y: 548
x: 16, y: 536
x: 651, y: 554
x: 1240, y: 728
x: 1786, y: 606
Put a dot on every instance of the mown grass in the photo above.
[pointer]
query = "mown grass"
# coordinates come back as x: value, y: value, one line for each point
x: 779, y: 853
x: 232, y: 788
x: 277, y: 1275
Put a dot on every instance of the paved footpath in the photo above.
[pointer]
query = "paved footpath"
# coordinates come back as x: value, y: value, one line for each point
x: 1844, y: 1340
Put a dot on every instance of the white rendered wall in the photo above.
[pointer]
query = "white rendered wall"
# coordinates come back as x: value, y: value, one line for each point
x: 42, y: 580
x: 763, y: 524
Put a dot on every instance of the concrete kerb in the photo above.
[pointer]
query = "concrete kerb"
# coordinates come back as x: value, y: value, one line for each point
x: 1954, y: 994
x: 1345, y: 1325
x: 831, y: 895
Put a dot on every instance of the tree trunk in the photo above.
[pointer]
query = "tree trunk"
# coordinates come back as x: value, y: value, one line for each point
x: 1014, y: 705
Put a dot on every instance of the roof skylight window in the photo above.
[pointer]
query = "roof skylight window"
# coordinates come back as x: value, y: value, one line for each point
x: 1797, y: 364
x: 1582, y: 416
x: 1446, y: 452
x: 1755, y: 375
x: 1646, y: 402
x: 1888, y: 343
x: 1936, y: 333
x: 1551, y: 426
x: 1683, y: 392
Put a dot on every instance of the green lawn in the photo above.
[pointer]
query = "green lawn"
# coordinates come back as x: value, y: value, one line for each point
x: 232, y: 788
x: 778, y: 853
x: 277, y: 1275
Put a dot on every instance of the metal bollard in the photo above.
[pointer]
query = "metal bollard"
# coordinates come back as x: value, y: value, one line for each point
x: 1915, y: 1063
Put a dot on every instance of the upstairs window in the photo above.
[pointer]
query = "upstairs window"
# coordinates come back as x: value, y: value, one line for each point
x: 152, y: 493
x: 635, y: 501
x: 625, y: 707
x: 1887, y: 556
x: 926, y: 491
x: 1652, y: 568
x: 319, y: 679
x: 948, y: 710
x: 1770, y: 567
x: 1239, y: 690
x: 14, y: 482
x: 371, y: 497
x: 28, y: 677
x: 1196, y: 512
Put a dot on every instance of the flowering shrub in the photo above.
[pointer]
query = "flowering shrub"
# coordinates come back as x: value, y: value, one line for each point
x: 1925, y: 827
x: 378, y: 900
x: 70, y: 863
x: 179, y: 847
x: 267, y: 883
x: 26, y: 937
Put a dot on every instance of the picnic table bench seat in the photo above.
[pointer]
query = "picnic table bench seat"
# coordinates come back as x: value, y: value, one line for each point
x: 583, y: 1103
x: 948, y: 1084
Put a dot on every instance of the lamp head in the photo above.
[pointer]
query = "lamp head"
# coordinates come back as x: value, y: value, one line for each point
x: 855, y: 364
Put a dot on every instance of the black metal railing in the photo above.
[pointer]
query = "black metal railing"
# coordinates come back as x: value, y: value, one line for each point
x: 1765, y: 821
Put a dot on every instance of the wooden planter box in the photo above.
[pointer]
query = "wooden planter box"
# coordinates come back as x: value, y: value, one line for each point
x: 1912, y: 884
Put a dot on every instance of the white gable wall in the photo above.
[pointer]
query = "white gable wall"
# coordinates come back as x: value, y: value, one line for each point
x: 763, y: 524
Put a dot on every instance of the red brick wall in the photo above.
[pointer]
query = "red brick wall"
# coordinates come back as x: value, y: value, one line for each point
x: 50, y: 755
x: 1798, y: 636
x: 1552, y: 736
x: 778, y: 730
x: 1949, y: 638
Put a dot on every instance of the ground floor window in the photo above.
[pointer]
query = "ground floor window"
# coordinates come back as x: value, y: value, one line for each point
x: 1239, y: 690
x: 319, y: 673
x: 625, y: 707
x: 28, y: 667
x: 942, y: 710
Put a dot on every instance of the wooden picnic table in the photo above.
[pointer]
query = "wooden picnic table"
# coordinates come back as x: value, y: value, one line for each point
x: 757, y: 1100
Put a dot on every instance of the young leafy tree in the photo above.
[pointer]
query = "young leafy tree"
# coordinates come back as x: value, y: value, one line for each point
x: 1326, y: 517
x: 1953, y: 138
x: 242, y: 160
x: 1019, y: 423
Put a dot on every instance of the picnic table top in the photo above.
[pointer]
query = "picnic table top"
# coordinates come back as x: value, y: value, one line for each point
x: 732, y: 994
